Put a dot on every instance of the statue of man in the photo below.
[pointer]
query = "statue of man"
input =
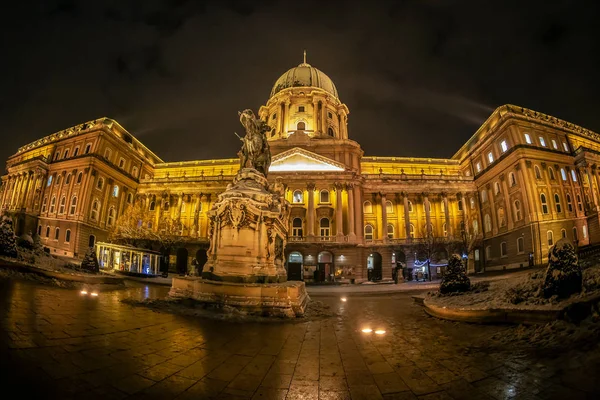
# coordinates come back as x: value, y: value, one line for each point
x: 255, y: 152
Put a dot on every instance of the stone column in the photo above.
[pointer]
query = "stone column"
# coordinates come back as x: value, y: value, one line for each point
x: 310, y: 219
x: 324, y: 118
x: 406, y: 216
x: 358, y: 213
x: 528, y: 207
x: 339, y: 216
x: 4, y: 191
x: 316, y: 120
x: 287, y: 117
x: 507, y: 205
x: 281, y: 116
x: 490, y: 196
x: 427, y: 206
x: 351, y: 205
x: 591, y: 181
x: 15, y: 192
x: 179, y: 204
x: 24, y: 190
x: 447, y: 214
x: 196, y: 226
x: 384, y: 224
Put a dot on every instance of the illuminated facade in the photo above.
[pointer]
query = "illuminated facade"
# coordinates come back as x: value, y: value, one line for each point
x: 523, y: 181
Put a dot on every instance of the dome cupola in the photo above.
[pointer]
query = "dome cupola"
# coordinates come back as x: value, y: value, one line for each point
x: 304, y: 75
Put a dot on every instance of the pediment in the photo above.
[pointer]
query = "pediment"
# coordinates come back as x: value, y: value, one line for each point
x: 301, y: 160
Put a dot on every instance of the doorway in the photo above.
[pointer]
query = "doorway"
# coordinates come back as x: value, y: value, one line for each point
x: 182, y: 260
x: 201, y: 259
x: 374, y: 267
x: 324, y: 272
x: 295, y: 266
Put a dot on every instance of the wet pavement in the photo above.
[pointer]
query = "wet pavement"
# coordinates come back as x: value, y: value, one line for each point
x: 58, y: 343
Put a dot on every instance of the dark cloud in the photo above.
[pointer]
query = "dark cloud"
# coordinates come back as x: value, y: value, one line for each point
x: 419, y: 77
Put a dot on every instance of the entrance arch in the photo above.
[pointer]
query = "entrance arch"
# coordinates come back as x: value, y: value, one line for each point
x: 201, y: 259
x: 324, y: 270
x: 374, y: 267
x: 182, y: 259
x: 91, y: 241
x: 295, y: 266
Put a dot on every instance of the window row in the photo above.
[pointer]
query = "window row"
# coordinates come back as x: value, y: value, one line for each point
x: 57, y: 180
x: 121, y: 163
x: 60, y: 155
x: 166, y: 206
x: 542, y: 142
x: 67, y: 237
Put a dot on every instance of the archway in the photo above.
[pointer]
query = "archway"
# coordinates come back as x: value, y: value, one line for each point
x: 374, y: 267
x: 91, y: 241
x: 295, y: 266
x: 182, y: 259
x: 324, y: 270
x: 201, y: 259
x: 400, y: 266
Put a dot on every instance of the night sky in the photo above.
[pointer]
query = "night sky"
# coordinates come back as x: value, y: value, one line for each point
x: 419, y: 77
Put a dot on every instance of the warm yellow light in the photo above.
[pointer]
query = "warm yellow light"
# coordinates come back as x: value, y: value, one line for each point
x: 94, y: 294
x: 83, y: 292
x: 367, y: 330
x: 343, y: 299
x: 379, y: 332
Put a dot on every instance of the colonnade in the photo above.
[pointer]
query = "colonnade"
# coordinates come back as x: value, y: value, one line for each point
x: 19, y: 190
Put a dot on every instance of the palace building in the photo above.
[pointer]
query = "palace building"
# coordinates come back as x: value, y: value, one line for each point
x: 520, y: 183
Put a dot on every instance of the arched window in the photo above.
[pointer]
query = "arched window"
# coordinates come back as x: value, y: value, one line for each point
x: 56, y: 233
x: 512, y: 179
x: 68, y: 180
x: 91, y: 241
x: 68, y: 236
x: 367, y: 207
x: 551, y: 173
x: 487, y: 223
x: 579, y: 203
x: 166, y: 206
x: 298, y: 197
x: 297, y: 227
x: 53, y: 204
x: 575, y: 235
x: 73, y: 207
x: 389, y: 207
x: 563, y: 233
x: 57, y: 180
x: 472, y: 201
x: 134, y: 172
x: 301, y: 126
x: 95, y: 210
x: 544, y: 203
x: 520, y: 245
x: 390, y: 231
x: 569, y: 203
x: 44, y: 204
x: 496, y: 188
x: 411, y: 232
x: 107, y: 154
x: 550, y: 236
x: 149, y: 224
x: 538, y: 174
x: 517, y: 206
x: 574, y: 175
x: 324, y: 228
x: 542, y: 141
x: 557, y: 202
x: 324, y: 196
x: 47, y: 231
x: 584, y: 230
x: 152, y: 205
x: 503, y: 250
x: 563, y: 174
x: 88, y: 148
x: 129, y: 198
x: 330, y: 132
x: 488, y: 252
x: 111, y: 217
x: 490, y: 157
x: 79, y: 178
x: 410, y: 206
x: 368, y: 232
x: 100, y: 183
x: 501, y: 217
x: 483, y: 196
x: 76, y: 151
x: 475, y: 227
x: 115, y: 192
x: 49, y: 181
x: 445, y: 229
x: 460, y: 205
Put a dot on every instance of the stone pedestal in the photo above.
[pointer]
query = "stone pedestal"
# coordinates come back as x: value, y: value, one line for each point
x: 245, y: 268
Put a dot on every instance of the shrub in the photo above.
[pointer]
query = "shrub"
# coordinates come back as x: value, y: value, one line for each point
x: 455, y: 279
x: 8, y: 243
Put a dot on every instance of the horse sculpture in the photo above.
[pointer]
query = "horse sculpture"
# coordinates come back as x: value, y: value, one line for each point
x: 255, y: 152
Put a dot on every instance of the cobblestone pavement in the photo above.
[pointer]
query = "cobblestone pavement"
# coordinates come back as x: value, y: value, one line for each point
x: 56, y: 343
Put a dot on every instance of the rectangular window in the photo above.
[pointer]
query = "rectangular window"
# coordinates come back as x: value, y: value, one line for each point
x: 329, y: 115
x: 490, y: 157
x: 542, y: 141
x: 478, y: 167
x: 88, y: 148
x: 554, y: 144
x: 504, y: 146
x: 68, y: 236
x: 565, y: 146
x: 503, y: 252
x: 527, y: 138
x: 66, y: 155
x: 301, y: 109
x: 121, y: 163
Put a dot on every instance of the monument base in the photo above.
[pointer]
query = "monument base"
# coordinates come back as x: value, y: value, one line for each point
x: 288, y: 299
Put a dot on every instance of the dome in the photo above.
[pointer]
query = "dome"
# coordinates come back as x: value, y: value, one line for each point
x: 304, y: 75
